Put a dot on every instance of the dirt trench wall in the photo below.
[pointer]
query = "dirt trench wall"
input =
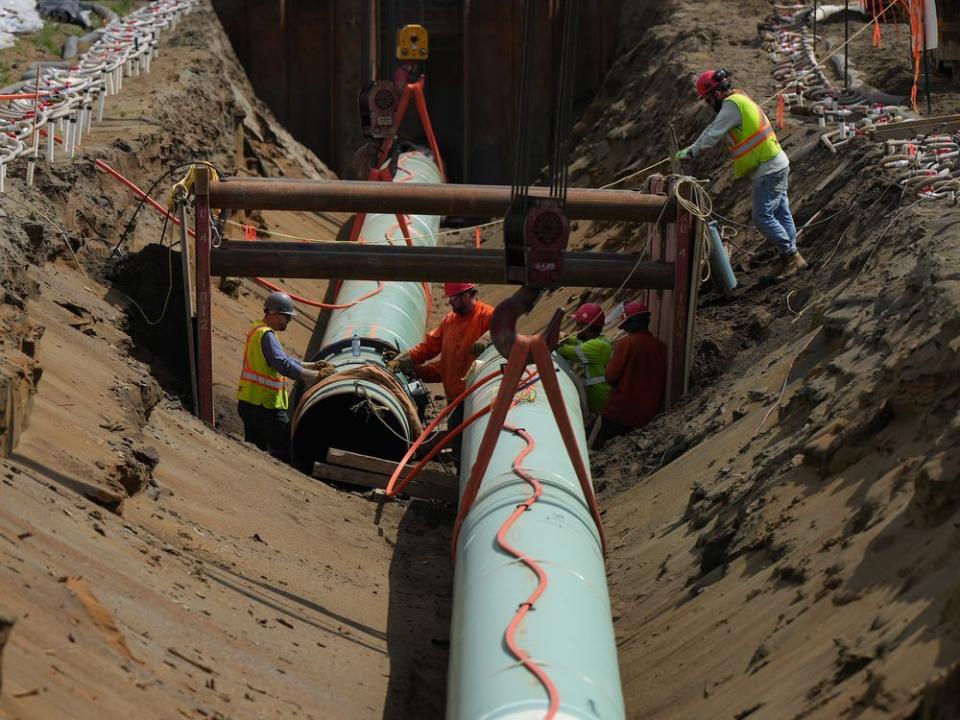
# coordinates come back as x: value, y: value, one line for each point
x: 783, y: 539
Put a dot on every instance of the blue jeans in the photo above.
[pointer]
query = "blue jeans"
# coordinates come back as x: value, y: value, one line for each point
x: 771, y: 211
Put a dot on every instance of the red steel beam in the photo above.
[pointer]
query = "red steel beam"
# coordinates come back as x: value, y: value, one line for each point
x: 424, y: 199
x: 351, y: 261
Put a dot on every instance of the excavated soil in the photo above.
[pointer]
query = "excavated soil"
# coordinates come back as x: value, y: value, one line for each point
x: 783, y: 540
x: 152, y: 567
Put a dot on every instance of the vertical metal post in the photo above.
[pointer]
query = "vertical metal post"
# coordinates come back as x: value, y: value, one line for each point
x: 814, y: 27
x: 682, y: 231
x: 926, y: 70
x: 188, y: 310
x: 846, y: 46
x: 204, y: 318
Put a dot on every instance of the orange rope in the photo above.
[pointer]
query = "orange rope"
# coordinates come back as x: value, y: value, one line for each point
x: 509, y: 636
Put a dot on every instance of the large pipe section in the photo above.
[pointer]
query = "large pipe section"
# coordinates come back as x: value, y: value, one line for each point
x: 569, y: 632
x: 369, y: 413
x: 429, y: 264
x: 428, y: 199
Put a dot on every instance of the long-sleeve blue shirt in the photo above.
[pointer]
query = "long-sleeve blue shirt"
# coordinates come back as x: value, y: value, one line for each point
x: 278, y: 359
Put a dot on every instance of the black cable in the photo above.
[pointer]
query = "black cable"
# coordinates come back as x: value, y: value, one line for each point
x: 143, y: 200
x: 521, y: 161
x: 565, y: 99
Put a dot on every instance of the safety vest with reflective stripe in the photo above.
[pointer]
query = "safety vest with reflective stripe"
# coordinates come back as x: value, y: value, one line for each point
x: 754, y: 142
x: 260, y: 384
x: 593, y: 356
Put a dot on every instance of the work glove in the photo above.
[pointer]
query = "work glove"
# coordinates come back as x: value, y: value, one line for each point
x: 402, y: 363
x: 321, y: 366
x: 479, y: 346
x: 309, y: 377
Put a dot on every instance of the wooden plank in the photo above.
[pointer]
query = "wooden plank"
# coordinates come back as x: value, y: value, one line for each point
x: 911, y: 128
x: 429, y: 484
x: 432, y: 471
x: 361, y: 478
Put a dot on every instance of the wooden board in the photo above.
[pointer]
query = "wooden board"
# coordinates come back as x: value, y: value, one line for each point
x: 350, y: 468
x: 912, y: 128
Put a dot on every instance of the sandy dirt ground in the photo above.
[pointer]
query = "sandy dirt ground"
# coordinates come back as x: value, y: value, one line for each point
x: 157, y: 568
x: 783, y: 541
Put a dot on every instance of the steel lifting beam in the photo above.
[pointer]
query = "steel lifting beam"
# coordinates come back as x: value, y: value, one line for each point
x: 368, y: 262
x: 424, y: 199
x: 349, y: 261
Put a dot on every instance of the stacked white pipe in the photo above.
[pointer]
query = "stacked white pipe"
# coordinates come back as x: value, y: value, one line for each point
x: 926, y: 165
x: 71, y: 99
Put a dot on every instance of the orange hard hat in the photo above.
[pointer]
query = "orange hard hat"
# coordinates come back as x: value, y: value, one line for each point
x: 451, y: 289
x: 589, y: 314
x: 632, y: 309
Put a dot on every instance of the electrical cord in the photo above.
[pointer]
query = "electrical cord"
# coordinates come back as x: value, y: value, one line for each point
x: 166, y: 301
x: 145, y: 196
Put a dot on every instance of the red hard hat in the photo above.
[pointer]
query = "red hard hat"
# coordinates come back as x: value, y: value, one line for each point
x: 451, y: 289
x: 632, y: 309
x: 589, y: 314
x: 712, y: 80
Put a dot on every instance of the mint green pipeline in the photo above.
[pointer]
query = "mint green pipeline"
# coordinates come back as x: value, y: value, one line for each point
x: 569, y: 633
x: 340, y: 414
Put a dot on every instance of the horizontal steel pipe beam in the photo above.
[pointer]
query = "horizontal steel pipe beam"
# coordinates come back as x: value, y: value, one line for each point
x: 350, y: 261
x: 426, y: 199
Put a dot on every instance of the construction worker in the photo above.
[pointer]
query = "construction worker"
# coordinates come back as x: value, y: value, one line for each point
x: 637, y: 374
x: 262, y: 393
x: 589, y: 351
x: 756, y: 154
x: 457, y: 340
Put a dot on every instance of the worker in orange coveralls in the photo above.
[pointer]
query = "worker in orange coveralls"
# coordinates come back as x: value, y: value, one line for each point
x: 637, y: 373
x: 457, y: 340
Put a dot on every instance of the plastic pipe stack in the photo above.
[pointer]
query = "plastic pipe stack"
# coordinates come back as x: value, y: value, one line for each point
x: 394, y: 318
x: 569, y: 633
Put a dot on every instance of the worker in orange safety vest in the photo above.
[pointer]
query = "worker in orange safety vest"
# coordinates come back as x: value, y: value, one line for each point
x: 457, y: 340
x: 756, y: 154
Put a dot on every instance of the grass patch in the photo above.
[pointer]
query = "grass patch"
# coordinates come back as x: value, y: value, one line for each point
x: 46, y: 38
x: 120, y: 7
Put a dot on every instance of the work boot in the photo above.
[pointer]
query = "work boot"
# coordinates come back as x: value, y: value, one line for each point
x: 792, y: 264
x: 777, y: 269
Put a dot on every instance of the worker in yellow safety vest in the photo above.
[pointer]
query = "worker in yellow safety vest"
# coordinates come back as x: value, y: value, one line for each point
x: 756, y: 154
x: 262, y: 394
x: 589, y: 351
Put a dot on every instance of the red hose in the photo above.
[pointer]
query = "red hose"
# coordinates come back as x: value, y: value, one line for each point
x: 24, y: 96
x: 435, y: 450
x: 392, y: 487
x: 509, y: 635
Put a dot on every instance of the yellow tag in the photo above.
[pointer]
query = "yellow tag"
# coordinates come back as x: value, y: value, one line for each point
x: 413, y: 43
